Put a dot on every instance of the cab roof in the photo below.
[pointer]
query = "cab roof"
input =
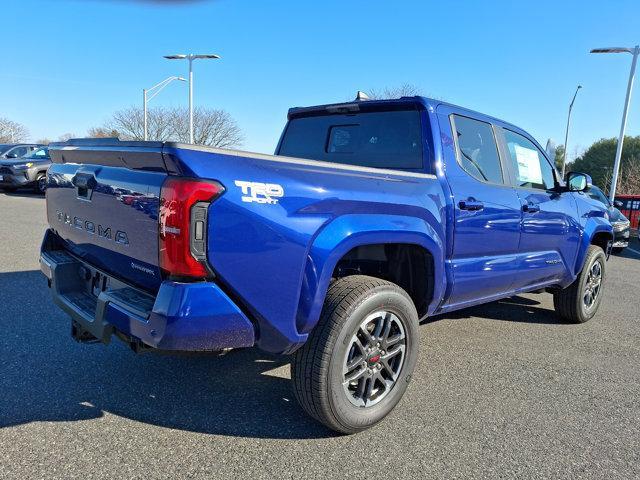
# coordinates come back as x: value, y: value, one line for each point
x: 402, y: 103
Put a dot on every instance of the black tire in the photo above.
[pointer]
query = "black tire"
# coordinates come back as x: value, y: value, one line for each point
x: 317, y: 368
x: 571, y: 303
x: 41, y: 183
x: 617, y: 250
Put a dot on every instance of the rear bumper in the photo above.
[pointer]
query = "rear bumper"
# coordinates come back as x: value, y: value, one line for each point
x: 181, y: 317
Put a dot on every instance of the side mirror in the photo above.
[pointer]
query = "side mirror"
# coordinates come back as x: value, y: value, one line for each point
x: 578, y: 182
x: 618, y: 204
x: 12, y: 155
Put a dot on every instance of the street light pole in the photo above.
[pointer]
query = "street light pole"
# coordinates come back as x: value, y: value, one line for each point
x: 566, y: 134
x: 635, y: 51
x: 144, y: 109
x: 145, y: 98
x: 190, y: 100
x: 191, y: 57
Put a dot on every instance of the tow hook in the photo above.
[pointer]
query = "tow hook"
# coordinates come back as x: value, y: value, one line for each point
x: 81, y: 335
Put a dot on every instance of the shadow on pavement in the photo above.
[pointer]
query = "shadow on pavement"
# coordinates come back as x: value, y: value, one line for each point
x: 514, y: 309
x: 26, y: 193
x: 632, y: 251
x: 46, y: 376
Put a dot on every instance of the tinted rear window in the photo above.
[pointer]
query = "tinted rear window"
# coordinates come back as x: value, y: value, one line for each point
x: 389, y: 139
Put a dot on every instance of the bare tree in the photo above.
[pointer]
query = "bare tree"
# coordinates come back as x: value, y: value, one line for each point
x: 101, y: 132
x: 211, y: 127
x: 67, y: 136
x: 405, y: 90
x: 129, y: 123
x: 12, y: 132
x: 606, y: 183
x: 628, y: 180
x: 630, y: 184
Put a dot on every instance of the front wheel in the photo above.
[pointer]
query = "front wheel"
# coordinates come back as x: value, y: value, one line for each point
x: 41, y: 183
x: 579, y: 302
x: 358, y: 361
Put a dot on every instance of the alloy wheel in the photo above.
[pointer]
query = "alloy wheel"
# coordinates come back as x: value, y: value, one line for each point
x: 593, y: 285
x: 42, y: 184
x: 374, y: 359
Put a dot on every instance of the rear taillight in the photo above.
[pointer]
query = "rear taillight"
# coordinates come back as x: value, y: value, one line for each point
x: 184, y: 204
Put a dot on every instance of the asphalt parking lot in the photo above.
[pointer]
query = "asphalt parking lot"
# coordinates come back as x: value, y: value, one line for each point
x: 501, y: 391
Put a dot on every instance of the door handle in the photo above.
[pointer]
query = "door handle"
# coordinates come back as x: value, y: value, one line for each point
x: 471, y: 205
x: 530, y: 208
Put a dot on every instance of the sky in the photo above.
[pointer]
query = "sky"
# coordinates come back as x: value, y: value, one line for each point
x: 69, y: 64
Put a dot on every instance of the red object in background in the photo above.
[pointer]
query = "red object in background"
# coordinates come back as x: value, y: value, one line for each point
x: 631, y: 209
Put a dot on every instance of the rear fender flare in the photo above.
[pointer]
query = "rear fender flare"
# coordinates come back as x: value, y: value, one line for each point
x: 350, y: 231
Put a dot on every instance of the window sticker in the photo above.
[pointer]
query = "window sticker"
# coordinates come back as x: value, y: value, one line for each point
x: 342, y: 138
x: 528, y: 165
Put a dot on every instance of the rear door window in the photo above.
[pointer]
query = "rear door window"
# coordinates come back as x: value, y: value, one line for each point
x: 477, y: 149
x: 389, y: 139
x: 40, y: 154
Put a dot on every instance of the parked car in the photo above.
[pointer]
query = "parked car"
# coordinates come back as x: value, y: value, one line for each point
x: 10, y: 151
x: 28, y: 171
x: 630, y: 208
x: 620, y: 223
x: 371, y: 216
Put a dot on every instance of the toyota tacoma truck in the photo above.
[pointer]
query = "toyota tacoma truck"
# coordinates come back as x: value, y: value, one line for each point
x: 370, y: 217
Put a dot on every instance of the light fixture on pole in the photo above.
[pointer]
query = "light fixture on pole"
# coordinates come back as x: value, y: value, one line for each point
x: 635, y: 51
x: 566, y: 134
x: 145, y: 98
x: 191, y: 57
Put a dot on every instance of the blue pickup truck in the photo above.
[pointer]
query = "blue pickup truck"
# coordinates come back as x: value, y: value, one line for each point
x: 372, y: 216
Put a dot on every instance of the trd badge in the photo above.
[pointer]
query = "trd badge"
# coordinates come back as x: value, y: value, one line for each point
x: 260, y: 192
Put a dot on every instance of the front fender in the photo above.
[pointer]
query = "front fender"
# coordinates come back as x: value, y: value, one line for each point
x: 32, y: 173
x: 593, y: 226
x: 349, y: 231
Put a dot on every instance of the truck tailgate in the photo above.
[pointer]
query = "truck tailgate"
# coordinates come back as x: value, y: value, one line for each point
x: 104, y: 204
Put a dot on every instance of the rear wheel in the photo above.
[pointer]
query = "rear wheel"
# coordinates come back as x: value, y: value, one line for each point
x: 579, y: 302
x: 359, y: 359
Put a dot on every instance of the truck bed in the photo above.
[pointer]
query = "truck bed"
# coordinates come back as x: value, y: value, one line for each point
x: 273, y: 236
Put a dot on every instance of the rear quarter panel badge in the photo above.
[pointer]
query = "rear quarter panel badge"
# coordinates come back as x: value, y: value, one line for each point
x: 258, y: 192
